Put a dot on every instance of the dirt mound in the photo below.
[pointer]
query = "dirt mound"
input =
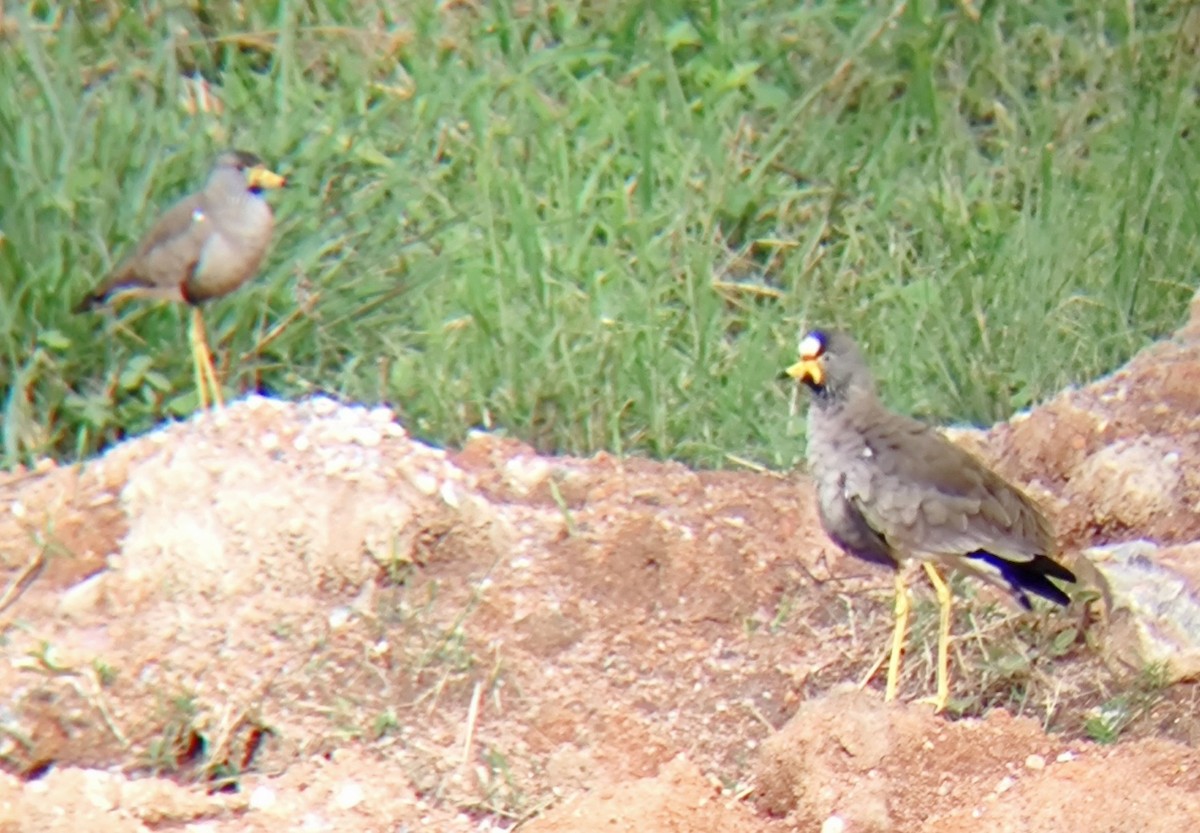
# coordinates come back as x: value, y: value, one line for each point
x: 850, y: 762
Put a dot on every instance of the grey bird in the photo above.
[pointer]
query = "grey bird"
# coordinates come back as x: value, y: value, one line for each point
x: 205, y: 246
x: 890, y: 487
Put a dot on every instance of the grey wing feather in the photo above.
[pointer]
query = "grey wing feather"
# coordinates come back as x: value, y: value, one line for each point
x: 165, y: 258
x: 936, y: 498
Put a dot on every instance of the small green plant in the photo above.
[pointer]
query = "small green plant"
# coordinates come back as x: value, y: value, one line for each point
x: 385, y: 723
x: 106, y: 675
x: 501, y: 793
x: 1112, y: 717
x: 179, y: 741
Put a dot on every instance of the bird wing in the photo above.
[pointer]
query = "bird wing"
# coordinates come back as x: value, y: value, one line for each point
x: 926, y: 495
x: 166, y: 256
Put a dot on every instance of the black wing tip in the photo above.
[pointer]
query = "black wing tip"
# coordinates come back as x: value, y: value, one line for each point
x: 1053, y: 569
x: 1033, y: 576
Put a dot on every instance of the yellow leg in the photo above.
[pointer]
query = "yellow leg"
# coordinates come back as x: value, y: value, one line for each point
x: 943, y: 653
x: 893, y: 673
x: 198, y: 370
x: 203, y: 363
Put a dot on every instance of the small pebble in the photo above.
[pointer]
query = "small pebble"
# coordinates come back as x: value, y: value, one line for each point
x: 336, y: 465
x: 339, y: 616
x: 350, y: 795
x: 1035, y: 762
x: 450, y: 495
x: 833, y: 824
x: 344, y: 434
x: 262, y: 798
x: 368, y: 437
x: 323, y: 406
x: 381, y: 415
x: 314, y: 822
x: 1006, y: 784
x: 1065, y: 757
x: 424, y: 482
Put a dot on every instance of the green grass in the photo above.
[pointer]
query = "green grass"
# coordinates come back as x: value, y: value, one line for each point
x: 549, y: 218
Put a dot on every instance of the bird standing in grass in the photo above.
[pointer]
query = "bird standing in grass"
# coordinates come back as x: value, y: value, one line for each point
x: 205, y: 246
x: 890, y: 487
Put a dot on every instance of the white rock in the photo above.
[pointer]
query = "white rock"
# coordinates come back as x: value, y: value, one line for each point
x: 262, y: 798
x: 339, y: 616
x: 84, y: 596
x: 350, y: 795
x: 323, y: 406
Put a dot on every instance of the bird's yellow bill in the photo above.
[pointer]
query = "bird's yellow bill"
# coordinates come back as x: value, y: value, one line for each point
x: 807, y: 370
x: 260, y: 176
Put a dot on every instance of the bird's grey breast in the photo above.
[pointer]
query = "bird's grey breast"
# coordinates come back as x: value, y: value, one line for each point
x: 840, y: 456
x: 235, y: 245
x: 840, y: 461
x: 248, y: 222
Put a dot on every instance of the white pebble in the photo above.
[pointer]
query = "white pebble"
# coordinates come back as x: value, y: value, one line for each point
x: 262, y: 798
x: 368, y: 437
x: 344, y: 434
x: 302, y: 443
x: 1035, y: 762
x: 1065, y: 757
x: 314, y: 822
x: 833, y: 824
x: 350, y: 795
x: 323, y: 406
x: 1006, y: 784
x: 339, y: 616
x: 424, y: 482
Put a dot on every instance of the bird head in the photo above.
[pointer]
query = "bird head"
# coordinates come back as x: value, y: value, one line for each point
x: 251, y: 172
x: 830, y: 364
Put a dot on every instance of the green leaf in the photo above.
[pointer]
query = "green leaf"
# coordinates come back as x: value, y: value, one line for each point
x: 1063, y: 641
x: 54, y: 340
x: 740, y: 75
x: 681, y: 33
x: 133, y: 374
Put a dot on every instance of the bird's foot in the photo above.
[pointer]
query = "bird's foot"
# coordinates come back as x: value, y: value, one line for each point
x: 938, y: 701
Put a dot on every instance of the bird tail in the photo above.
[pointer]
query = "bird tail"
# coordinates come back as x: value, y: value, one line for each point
x: 1033, y: 575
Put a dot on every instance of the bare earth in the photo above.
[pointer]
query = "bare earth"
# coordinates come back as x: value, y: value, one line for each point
x: 294, y: 616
